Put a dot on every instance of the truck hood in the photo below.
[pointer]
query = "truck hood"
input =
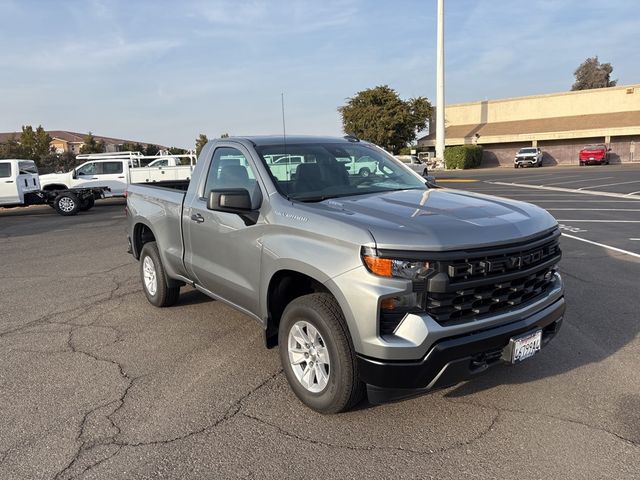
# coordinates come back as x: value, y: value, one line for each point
x: 440, y: 219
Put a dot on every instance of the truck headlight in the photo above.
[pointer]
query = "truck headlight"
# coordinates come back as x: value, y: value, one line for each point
x: 399, y: 268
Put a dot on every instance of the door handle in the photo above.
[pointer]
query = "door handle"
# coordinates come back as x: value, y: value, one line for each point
x: 196, y: 217
x: 8, y: 181
x: 121, y: 177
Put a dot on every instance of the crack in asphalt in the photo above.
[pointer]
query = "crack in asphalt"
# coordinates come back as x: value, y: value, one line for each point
x: 553, y: 417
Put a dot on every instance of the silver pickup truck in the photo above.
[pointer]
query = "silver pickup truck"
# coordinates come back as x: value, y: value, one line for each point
x: 381, y: 285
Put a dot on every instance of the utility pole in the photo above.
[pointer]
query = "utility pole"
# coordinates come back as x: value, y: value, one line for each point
x: 440, y: 84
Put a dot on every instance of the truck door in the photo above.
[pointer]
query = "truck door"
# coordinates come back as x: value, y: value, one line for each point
x: 102, y: 174
x: 8, y: 188
x: 223, y: 250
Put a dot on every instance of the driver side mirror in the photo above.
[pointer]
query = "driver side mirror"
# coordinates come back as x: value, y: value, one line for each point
x: 232, y: 200
x: 74, y: 174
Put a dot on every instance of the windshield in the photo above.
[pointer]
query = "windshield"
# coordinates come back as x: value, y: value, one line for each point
x: 527, y: 150
x: 329, y: 170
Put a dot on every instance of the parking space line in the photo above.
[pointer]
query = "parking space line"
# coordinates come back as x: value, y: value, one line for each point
x: 576, y: 181
x: 609, y: 184
x: 609, y: 247
x: 598, y: 209
x: 570, y: 190
x: 600, y: 221
x: 579, y: 200
x: 633, y: 193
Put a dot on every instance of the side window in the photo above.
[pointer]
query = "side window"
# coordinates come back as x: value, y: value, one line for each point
x: 87, y: 169
x: 5, y: 169
x: 111, y: 168
x: 161, y: 163
x: 230, y: 169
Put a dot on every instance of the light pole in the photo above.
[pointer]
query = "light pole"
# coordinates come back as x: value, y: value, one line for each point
x: 440, y: 84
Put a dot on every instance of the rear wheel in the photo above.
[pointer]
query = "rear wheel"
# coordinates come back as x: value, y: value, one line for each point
x: 67, y: 204
x: 317, y: 354
x: 365, y: 172
x: 154, y: 279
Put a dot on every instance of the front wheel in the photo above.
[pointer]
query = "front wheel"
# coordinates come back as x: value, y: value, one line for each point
x: 317, y: 354
x: 154, y: 280
x: 365, y: 172
x: 67, y: 204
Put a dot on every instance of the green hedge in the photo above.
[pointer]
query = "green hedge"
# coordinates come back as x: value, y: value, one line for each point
x: 463, y: 156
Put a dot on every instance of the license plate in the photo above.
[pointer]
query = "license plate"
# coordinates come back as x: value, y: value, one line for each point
x: 525, y: 346
x: 591, y: 158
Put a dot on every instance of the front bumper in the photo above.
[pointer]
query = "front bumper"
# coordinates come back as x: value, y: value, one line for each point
x: 526, y: 161
x: 452, y: 360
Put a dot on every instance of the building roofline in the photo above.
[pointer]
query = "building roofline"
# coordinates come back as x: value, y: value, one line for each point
x: 542, y: 95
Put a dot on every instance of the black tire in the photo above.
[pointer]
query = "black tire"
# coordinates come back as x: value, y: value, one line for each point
x: 516, y: 165
x: 582, y: 164
x: 344, y: 388
x: 67, y: 204
x: 365, y: 172
x: 87, y: 204
x: 164, y: 296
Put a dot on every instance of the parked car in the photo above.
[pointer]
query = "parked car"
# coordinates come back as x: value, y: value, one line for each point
x: 414, y: 163
x: 20, y: 187
x: 378, y: 284
x: 594, y: 154
x: 528, y: 157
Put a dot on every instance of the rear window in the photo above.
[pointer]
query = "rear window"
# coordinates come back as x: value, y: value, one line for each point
x: 5, y: 169
x: 593, y: 148
x: 27, y: 168
x: 111, y: 168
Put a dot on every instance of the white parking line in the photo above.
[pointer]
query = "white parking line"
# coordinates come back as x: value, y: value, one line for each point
x: 633, y: 193
x: 598, y: 209
x: 601, y: 221
x: 609, y: 184
x: 576, y: 181
x: 571, y: 190
x: 580, y: 200
x: 634, y: 239
x: 609, y: 247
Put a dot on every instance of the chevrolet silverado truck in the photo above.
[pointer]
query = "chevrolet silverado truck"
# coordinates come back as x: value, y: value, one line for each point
x: 528, y: 157
x: 381, y: 285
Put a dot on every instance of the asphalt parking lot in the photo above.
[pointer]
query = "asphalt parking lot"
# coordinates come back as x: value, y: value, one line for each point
x: 97, y: 383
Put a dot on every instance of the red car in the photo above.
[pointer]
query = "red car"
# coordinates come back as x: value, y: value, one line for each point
x: 594, y: 154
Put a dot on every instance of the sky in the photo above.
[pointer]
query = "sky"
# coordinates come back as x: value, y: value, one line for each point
x: 164, y: 71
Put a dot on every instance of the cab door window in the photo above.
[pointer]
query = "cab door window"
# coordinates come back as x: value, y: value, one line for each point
x: 111, y: 168
x: 231, y: 169
x: 87, y: 169
x: 5, y: 169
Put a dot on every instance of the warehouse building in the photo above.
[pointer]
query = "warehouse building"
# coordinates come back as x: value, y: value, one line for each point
x: 559, y: 123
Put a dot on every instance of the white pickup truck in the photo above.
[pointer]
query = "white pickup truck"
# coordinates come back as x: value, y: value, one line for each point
x: 20, y: 187
x: 118, y: 170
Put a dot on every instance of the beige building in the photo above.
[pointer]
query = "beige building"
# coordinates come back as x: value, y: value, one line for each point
x: 559, y: 123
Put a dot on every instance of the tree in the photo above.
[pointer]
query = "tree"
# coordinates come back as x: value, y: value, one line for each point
x: 133, y: 147
x: 11, y: 149
x: 91, y: 145
x: 593, y: 74
x: 177, y: 151
x: 201, y: 141
x: 151, y: 149
x: 380, y: 116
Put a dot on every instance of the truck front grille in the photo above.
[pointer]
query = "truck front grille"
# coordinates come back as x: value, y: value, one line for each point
x: 467, y: 304
x: 476, y: 284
